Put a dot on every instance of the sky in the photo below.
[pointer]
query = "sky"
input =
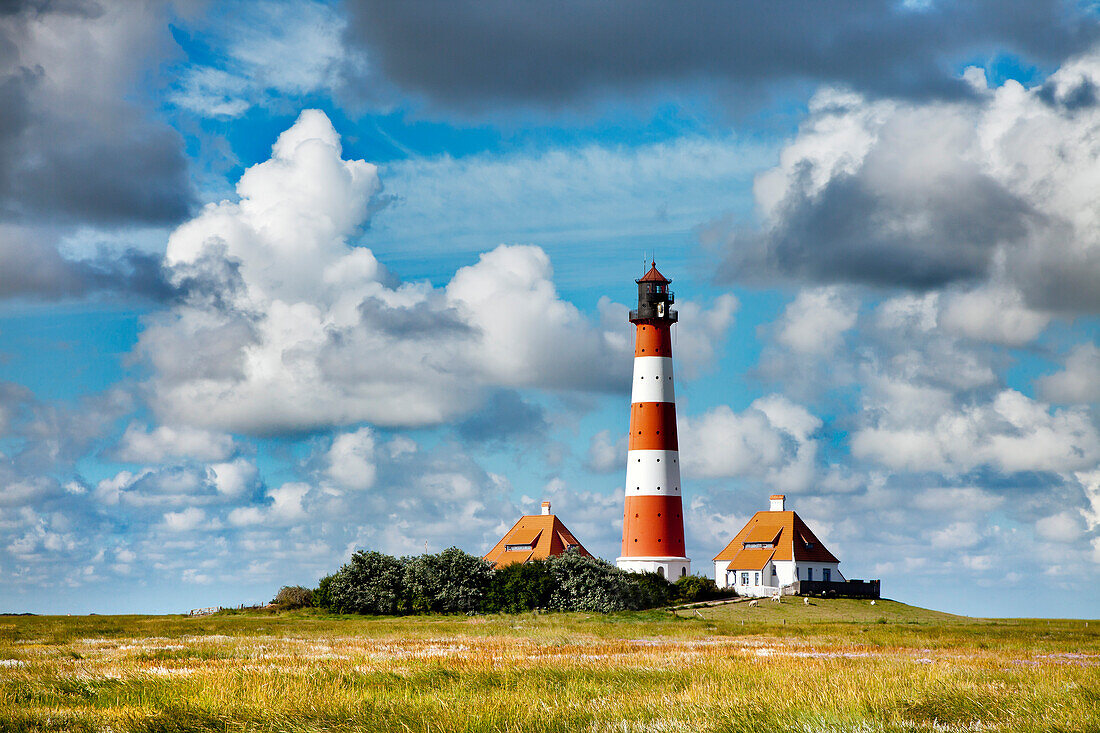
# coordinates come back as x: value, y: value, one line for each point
x: 281, y: 280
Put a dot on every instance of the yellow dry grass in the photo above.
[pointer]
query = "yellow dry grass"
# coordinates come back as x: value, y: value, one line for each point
x: 836, y: 666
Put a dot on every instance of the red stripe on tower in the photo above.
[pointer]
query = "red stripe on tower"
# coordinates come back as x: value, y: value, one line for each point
x: 653, y: 516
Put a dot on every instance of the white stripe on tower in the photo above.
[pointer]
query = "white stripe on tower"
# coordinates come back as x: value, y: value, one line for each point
x: 653, y: 379
x: 653, y: 473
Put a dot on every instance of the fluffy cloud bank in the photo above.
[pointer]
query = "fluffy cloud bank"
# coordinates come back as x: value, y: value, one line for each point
x: 1012, y: 433
x: 772, y: 440
x: 920, y: 194
x: 287, y: 326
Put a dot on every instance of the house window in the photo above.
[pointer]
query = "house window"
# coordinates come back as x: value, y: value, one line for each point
x: 744, y: 578
x: 775, y: 572
x: 825, y: 574
x: 809, y: 573
x: 683, y: 572
x: 517, y: 548
x: 661, y: 571
x: 756, y: 578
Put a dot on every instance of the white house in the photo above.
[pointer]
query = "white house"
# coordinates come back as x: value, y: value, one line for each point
x: 774, y: 549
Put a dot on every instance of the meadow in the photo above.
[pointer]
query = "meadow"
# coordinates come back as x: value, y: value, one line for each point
x: 836, y: 665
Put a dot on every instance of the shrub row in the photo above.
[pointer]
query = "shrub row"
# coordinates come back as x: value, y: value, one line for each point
x: 455, y: 582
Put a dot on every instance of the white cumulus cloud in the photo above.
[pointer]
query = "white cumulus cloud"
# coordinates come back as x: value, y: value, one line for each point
x: 139, y: 445
x: 290, y: 327
x: 772, y: 439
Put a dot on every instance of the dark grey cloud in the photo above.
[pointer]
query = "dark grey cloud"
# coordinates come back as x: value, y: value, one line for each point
x: 73, y: 150
x: 32, y: 268
x: 87, y: 8
x: 849, y: 232
x: 505, y: 417
x: 420, y: 320
x: 1081, y: 96
x: 465, y: 53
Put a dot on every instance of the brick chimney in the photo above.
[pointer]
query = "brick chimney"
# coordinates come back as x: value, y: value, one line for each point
x: 777, y: 501
x: 545, y: 507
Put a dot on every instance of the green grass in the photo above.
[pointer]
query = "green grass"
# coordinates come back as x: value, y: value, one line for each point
x: 837, y: 665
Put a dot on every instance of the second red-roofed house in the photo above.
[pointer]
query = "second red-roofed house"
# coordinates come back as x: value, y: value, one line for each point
x: 774, y: 549
x: 534, y: 537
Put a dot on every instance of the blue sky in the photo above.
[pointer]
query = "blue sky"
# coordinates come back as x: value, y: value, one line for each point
x: 280, y: 280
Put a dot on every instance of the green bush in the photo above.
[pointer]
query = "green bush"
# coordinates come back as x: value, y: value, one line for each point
x: 291, y: 597
x: 520, y: 587
x: 456, y: 582
x: 650, y: 590
x: 582, y: 583
x: 692, y: 588
x: 450, y: 582
x: 322, y: 594
x: 370, y: 582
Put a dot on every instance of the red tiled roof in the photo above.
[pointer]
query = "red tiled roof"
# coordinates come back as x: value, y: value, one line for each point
x: 751, y: 558
x: 544, y: 533
x: 507, y: 558
x: 524, y: 536
x: 791, y: 538
x: 653, y: 276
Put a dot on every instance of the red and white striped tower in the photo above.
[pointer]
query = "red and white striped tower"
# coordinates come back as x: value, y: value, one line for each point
x: 653, y: 516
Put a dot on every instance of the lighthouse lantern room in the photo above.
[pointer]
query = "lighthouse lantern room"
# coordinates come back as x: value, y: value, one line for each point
x: 653, y: 518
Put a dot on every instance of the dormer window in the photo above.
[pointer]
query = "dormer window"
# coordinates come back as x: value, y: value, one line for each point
x: 517, y: 548
x: 756, y: 545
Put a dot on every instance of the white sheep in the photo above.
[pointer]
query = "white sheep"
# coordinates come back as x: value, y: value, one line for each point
x: 872, y: 603
x: 776, y: 598
x: 753, y: 604
x: 805, y: 601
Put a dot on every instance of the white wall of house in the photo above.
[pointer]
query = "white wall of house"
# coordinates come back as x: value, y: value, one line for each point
x: 775, y: 574
x: 818, y: 571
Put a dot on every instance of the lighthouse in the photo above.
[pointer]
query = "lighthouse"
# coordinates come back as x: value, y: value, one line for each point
x: 653, y: 516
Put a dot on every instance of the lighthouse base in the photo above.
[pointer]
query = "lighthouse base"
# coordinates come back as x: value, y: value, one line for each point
x: 672, y: 568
